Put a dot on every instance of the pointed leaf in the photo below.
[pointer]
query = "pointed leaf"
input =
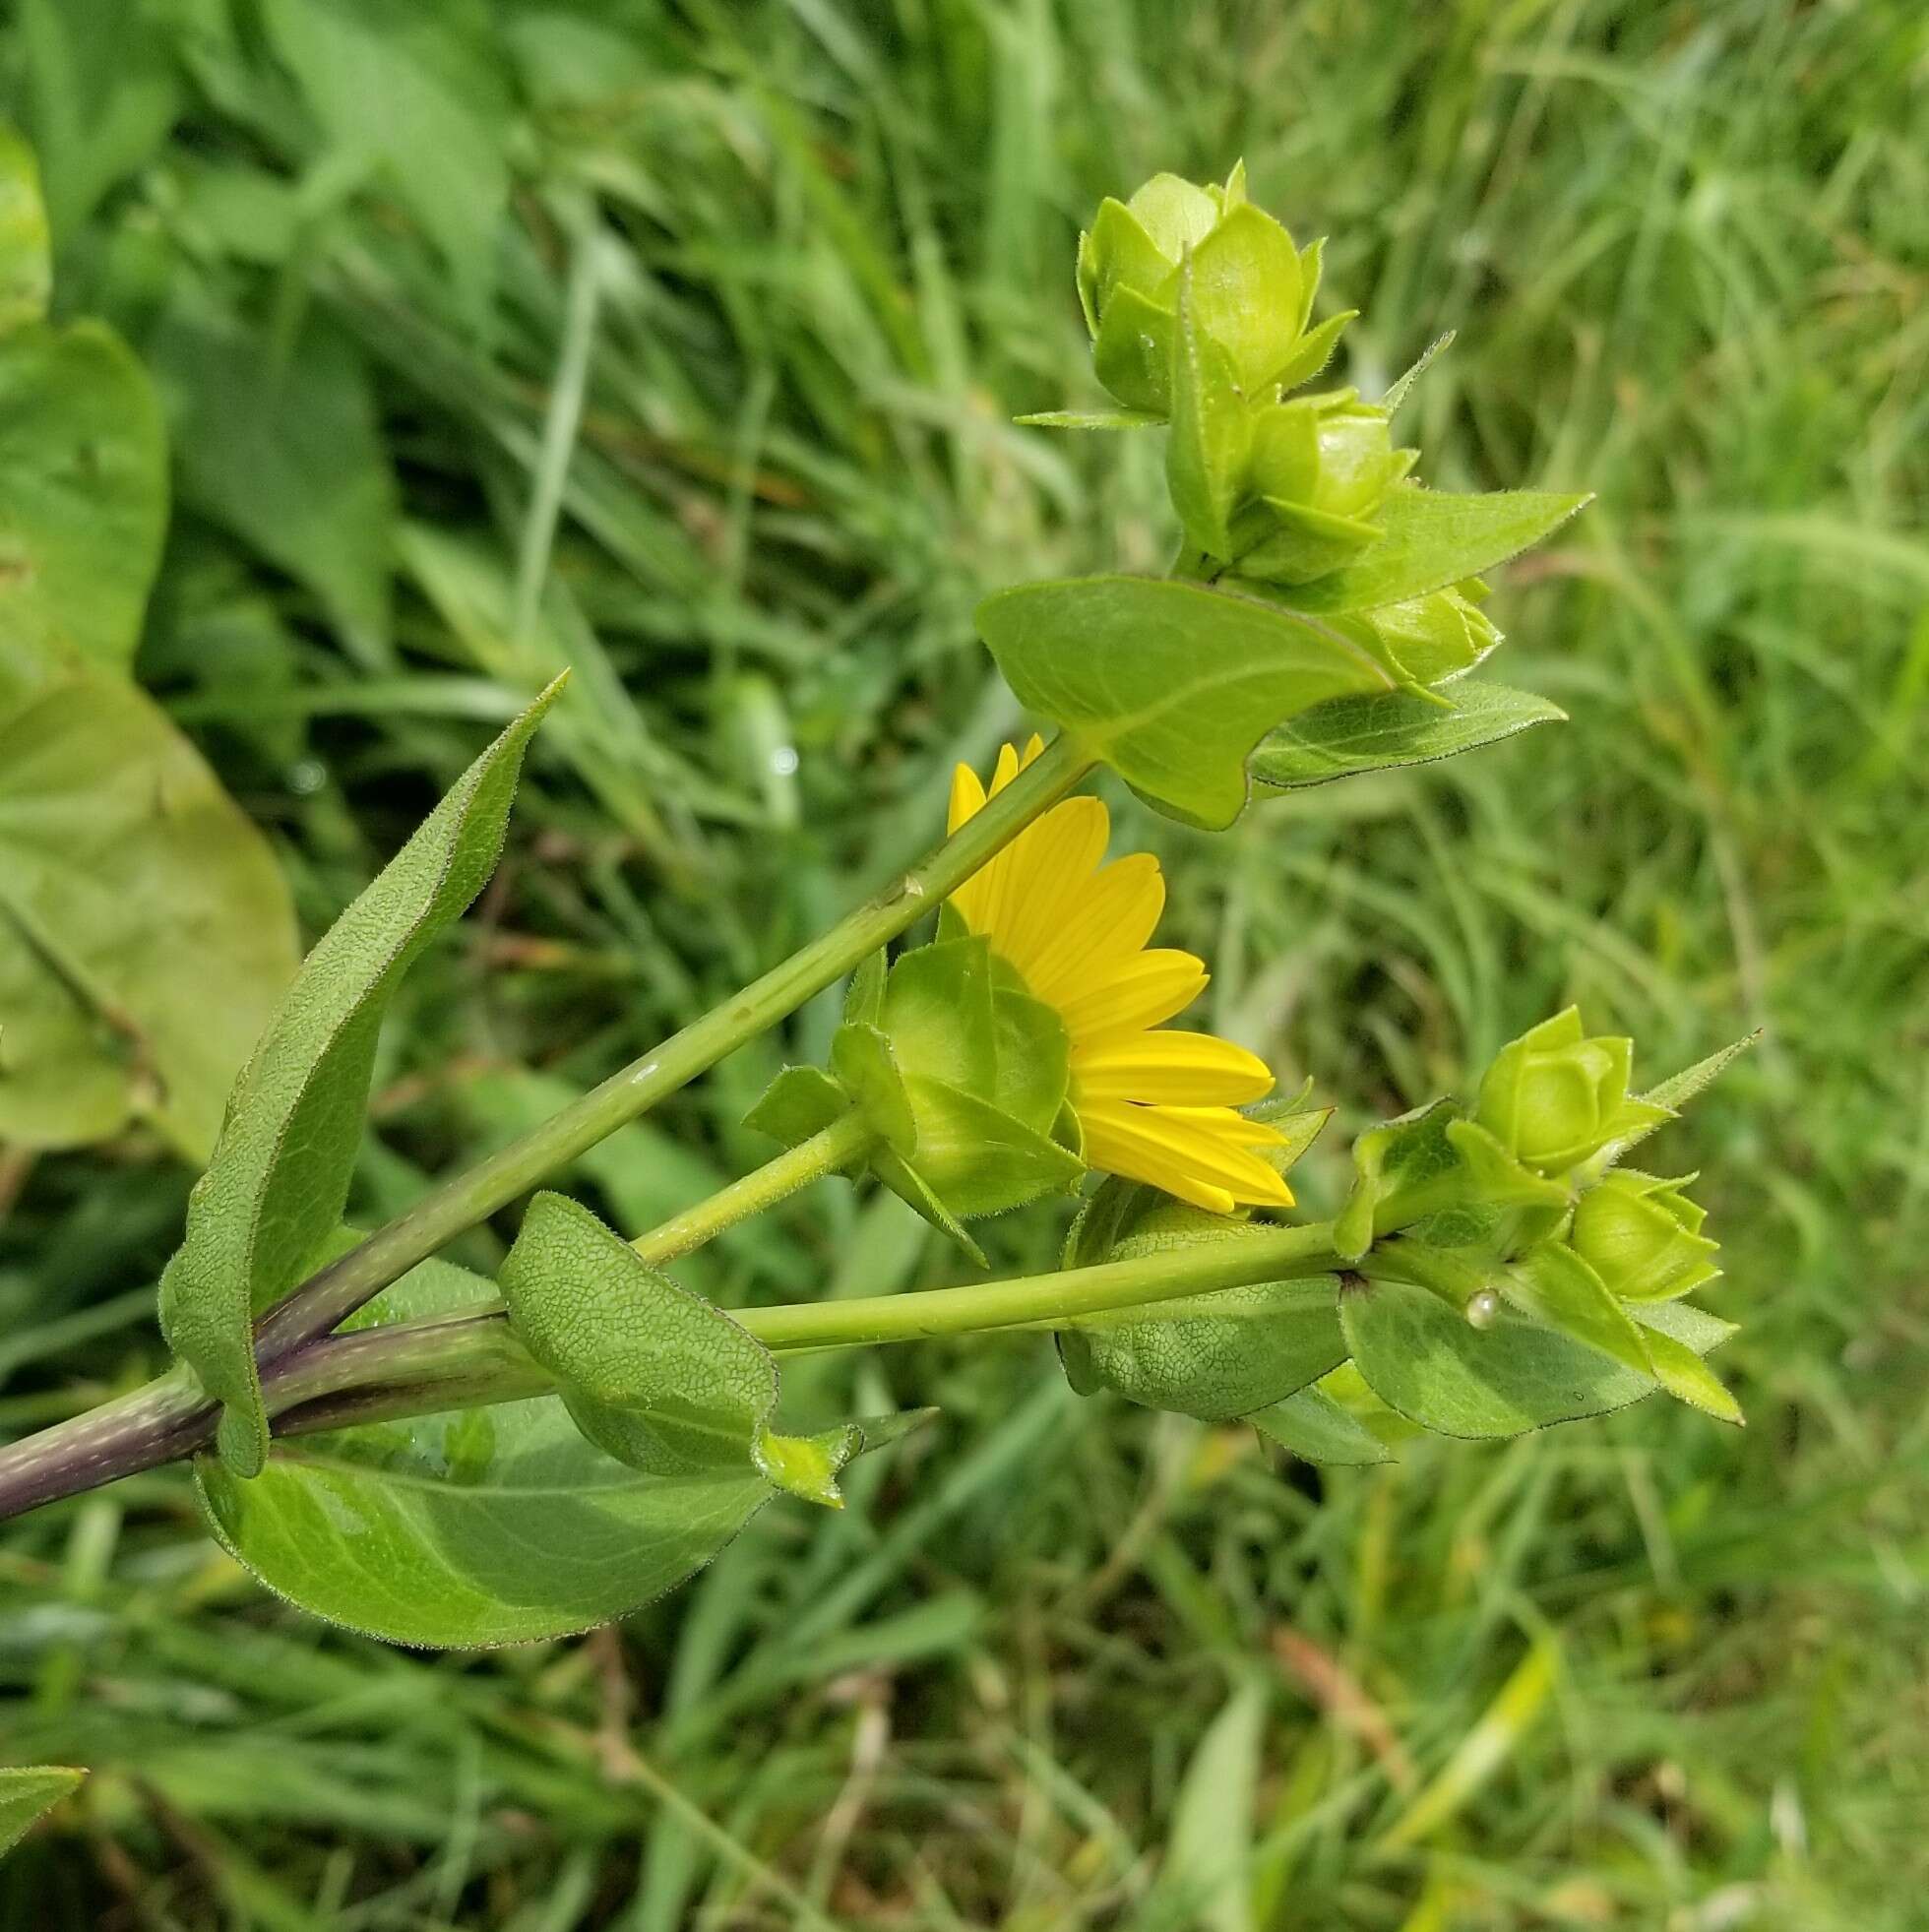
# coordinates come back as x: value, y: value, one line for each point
x: 1689, y: 1379
x: 1350, y: 735
x: 29, y: 1791
x: 1311, y: 1426
x: 279, y: 1173
x: 654, y: 1375
x: 1426, y: 1361
x: 1670, y: 1096
x: 1213, y: 1355
x: 1170, y: 683
x: 1552, y: 1283
x: 1397, y: 394
x: 1090, y: 419
x: 1431, y: 538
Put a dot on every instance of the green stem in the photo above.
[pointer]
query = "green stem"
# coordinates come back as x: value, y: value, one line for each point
x: 329, y: 1298
x: 839, y: 1144
x: 473, y: 1358
x: 1268, y: 1254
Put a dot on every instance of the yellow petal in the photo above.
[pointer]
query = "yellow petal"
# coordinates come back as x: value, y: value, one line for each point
x: 1193, y: 1153
x: 1180, y: 1069
x: 1052, y: 863
x: 966, y: 799
x: 1141, y: 992
x: 1112, y: 917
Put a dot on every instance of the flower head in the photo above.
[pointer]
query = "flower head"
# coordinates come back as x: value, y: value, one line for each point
x: 1152, y: 1104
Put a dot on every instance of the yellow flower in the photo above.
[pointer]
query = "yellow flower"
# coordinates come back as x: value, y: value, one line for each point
x: 1154, y: 1103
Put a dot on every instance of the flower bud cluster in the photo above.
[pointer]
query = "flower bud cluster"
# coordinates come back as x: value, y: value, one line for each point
x: 1556, y: 1100
x: 1200, y: 309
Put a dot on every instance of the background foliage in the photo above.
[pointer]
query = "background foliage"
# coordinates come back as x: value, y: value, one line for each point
x: 800, y: 264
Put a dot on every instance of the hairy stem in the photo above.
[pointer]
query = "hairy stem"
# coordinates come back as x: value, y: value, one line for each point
x: 839, y: 1144
x: 329, y: 1298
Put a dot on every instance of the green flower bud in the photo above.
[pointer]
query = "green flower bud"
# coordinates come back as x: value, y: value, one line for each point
x: 1428, y: 640
x: 1643, y: 1236
x: 1554, y: 1097
x: 1321, y: 465
x: 1252, y: 289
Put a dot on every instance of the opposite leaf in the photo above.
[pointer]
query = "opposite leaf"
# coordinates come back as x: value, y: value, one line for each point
x: 1170, y: 683
x: 655, y: 1376
x: 1431, y: 538
x: 1350, y: 735
x: 280, y: 1175
x: 470, y: 1529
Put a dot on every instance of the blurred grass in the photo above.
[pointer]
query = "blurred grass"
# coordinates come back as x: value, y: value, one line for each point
x: 680, y: 343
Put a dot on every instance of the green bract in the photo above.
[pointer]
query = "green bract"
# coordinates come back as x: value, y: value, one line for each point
x: 961, y: 1076
x: 1554, y: 1097
x: 1643, y: 1236
x: 1321, y: 466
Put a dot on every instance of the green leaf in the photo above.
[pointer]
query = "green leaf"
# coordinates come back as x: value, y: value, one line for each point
x: 1206, y: 1882
x: 284, y: 447
x: 1311, y: 1426
x: 1219, y: 1355
x: 1555, y: 1285
x: 1672, y: 1095
x: 1170, y: 683
x: 655, y: 1376
x: 1394, y: 728
x: 1689, y: 1379
x: 1214, y: 1355
x: 1431, y: 538
x: 864, y: 996
x: 1426, y: 1361
x: 1397, y: 394
x: 911, y: 1188
x: 479, y: 1527
x: 1211, y: 438
x: 1090, y: 419
x: 64, y: 1079
x: 417, y: 98
x: 279, y: 1173
x: 26, y: 1791
x: 26, y: 266
x: 1403, y: 1159
x: 143, y: 920
x: 82, y: 501
x: 101, y: 93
